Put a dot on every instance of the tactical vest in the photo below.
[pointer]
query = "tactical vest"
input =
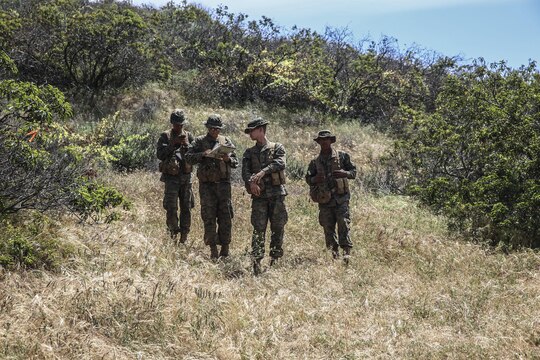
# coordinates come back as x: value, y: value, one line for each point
x: 341, y: 186
x: 172, y: 165
x: 214, y: 170
x: 277, y: 177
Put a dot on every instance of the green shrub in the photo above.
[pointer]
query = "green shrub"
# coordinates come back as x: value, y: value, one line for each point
x: 133, y: 152
x: 120, y: 142
x: 477, y: 159
x: 95, y: 201
x: 31, y: 246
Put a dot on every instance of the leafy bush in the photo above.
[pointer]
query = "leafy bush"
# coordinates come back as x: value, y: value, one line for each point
x: 86, y: 48
x: 31, y: 245
x: 125, y: 145
x: 34, y: 172
x: 96, y: 201
x: 477, y: 159
x: 133, y: 152
x: 40, y: 168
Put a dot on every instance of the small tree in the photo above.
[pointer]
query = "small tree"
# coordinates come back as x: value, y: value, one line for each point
x: 38, y: 168
x: 87, y: 47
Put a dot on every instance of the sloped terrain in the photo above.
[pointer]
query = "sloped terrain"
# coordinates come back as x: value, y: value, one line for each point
x: 411, y: 291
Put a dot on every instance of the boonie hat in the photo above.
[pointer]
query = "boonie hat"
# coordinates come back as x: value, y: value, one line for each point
x: 178, y: 117
x: 255, y: 123
x: 325, y: 134
x: 214, y: 121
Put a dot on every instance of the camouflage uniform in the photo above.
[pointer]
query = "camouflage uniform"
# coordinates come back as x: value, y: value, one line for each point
x: 177, y: 186
x: 214, y: 187
x: 269, y: 206
x: 336, y: 210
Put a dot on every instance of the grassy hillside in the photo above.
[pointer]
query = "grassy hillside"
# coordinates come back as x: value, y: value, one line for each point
x: 411, y: 290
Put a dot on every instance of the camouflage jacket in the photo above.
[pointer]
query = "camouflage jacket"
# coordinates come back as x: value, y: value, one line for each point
x: 328, y: 163
x: 210, y: 169
x: 165, y: 149
x: 269, y: 158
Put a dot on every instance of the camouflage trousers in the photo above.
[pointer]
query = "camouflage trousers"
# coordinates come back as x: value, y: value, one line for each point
x: 329, y: 216
x: 216, y: 212
x: 262, y: 211
x: 176, y: 192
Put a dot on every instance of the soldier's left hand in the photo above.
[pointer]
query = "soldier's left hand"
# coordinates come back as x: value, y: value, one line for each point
x: 226, y: 157
x: 255, y: 189
x: 339, y: 174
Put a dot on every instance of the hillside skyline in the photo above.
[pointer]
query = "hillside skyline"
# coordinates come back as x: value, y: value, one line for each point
x: 495, y: 30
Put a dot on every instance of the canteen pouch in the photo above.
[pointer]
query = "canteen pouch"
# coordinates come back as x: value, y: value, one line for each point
x: 278, y: 178
x: 319, y: 194
x: 342, y: 186
x: 209, y: 172
x: 169, y: 166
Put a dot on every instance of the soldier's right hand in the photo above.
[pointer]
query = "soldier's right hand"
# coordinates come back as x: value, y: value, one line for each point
x: 177, y: 141
x: 206, y: 152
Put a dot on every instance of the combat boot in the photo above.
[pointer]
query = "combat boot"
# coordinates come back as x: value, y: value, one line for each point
x: 274, y: 261
x: 224, y: 252
x: 213, y: 252
x: 346, y: 255
x: 335, y: 252
x: 183, y: 238
x: 257, y: 269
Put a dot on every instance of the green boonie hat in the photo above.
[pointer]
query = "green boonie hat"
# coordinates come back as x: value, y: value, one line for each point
x: 178, y: 117
x: 325, y: 134
x: 255, y: 123
x: 214, y: 121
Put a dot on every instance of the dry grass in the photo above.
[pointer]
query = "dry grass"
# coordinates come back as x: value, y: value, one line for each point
x: 411, y: 291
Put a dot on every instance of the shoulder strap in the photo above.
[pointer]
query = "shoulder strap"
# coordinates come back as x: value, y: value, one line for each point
x: 335, y: 160
x: 255, y: 163
x: 168, y: 135
x: 272, y: 147
x: 319, y: 166
x: 335, y: 163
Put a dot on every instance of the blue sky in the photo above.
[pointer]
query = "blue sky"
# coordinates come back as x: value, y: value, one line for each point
x: 494, y: 29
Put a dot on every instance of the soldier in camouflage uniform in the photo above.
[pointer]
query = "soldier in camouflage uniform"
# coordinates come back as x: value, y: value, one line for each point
x: 214, y: 176
x: 328, y: 176
x: 176, y: 174
x: 263, y: 168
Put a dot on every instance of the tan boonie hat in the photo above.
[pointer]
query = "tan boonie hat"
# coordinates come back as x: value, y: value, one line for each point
x: 214, y: 121
x: 325, y: 134
x: 178, y: 117
x: 255, y: 123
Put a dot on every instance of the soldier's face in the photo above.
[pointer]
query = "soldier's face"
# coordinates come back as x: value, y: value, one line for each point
x: 177, y: 127
x: 325, y: 143
x: 256, y: 133
x: 214, y: 132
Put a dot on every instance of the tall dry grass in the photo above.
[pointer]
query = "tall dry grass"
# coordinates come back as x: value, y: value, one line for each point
x: 411, y: 290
